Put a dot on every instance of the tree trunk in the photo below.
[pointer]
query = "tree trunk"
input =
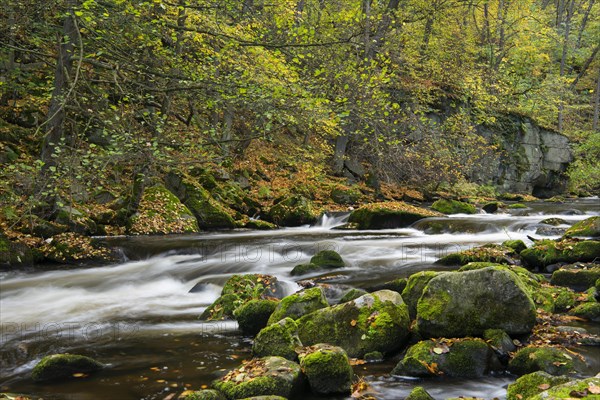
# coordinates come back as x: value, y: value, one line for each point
x: 55, y: 122
x: 339, y: 153
x: 10, y: 63
x: 563, y: 61
x: 596, y: 103
x: 584, y: 23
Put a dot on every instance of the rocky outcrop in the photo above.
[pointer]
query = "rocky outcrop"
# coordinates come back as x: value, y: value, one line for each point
x: 64, y: 366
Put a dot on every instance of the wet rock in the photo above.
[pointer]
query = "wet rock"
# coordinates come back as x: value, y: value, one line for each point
x: 352, y: 294
x: 323, y: 260
x: 418, y: 393
x: 588, y: 310
x: 388, y: 215
x: 453, y: 207
x: 397, y: 285
x: 554, y: 221
x: 260, y: 225
x: 579, y: 276
x: 547, y: 252
x: 551, y: 360
x: 583, y: 389
x: 64, y: 366
x: 527, y: 386
x: 279, y: 339
x: 487, y: 253
x: 254, y: 315
x: 374, y: 322
x: 240, y: 289
x: 160, y: 211
x: 589, y: 227
x: 414, y: 289
x: 500, y: 342
x: 491, y: 207
x: 464, y: 358
x: 299, y: 304
x: 268, y: 376
x: 293, y: 211
x: 547, y: 230
x: 517, y: 245
x: 327, y: 369
x: 459, y: 304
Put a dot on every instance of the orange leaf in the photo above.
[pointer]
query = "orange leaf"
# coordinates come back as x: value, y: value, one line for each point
x: 353, y: 322
x: 544, y: 386
x: 594, y: 389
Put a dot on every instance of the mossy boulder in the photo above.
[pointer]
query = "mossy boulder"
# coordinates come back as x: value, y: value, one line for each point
x: 414, y: 289
x: 458, y: 304
x: 397, y: 285
x: 453, y: 207
x: 529, y: 385
x: 72, y: 248
x: 547, y: 252
x: 492, y: 207
x: 377, y: 321
x: 552, y: 360
x: 268, y: 376
x: 209, y: 213
x: 493, y: 253
x: 75, y: 220
x: 206, y: 394
x: 516, y: 206
x: 299, y: 304
x: 254, y: 315
x: 279, y: 339
x: 240, y: 289
x: 579, y: 276
x: 346, y: 196
x: 500, y: 342
x: 588, y: 310
x: 419, y: 393
x: 160, y: 211
x: 589, y: 227
x: 64, y: 366
x: 260, y: 225
x: 13, y: 253
x: 352, y: 294
x: 327, y: 369
x: 293, y: 211
x: 323, y: 260
x: 583, y: 389
x: 517, y: 245
x: 553, y: 221
x: 464, y: 358
x: 388, y: 215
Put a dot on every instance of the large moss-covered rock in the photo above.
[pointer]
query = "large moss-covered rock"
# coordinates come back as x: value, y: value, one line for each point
x: 293, y: 211
x: 517, y: 245
x: 76, y: 220
x: 160, y: 211
x: 71, y: 248
x: 527, y: 386
x: 579, y: 276
x: 547, y: 252
x: 209, y: 213
x: 238, y: 290
x: 260, y: 225
x: 397, y: 285
x: 279, y: 339
x: 344, y: 195
x: 493, y: 253
x: 323, y: 260
x: 589, y: 310
x: 388, y: 215
x: 352, y: 294
x: 327, y: 369
x: 583, y: 389
x: 64, y: 366
x: 465, y: 358
x: 414, y: 289
x: 587, y: 228
x: 419, y: 393
x: 458, y: 304
x: 14, y: 253
x: 552, y: 360
x: 374, y: 322
x: 266, y: 376
x: 299, y: 304
x: 206, y: 394
x: 254, y: 315
x: 500, y: 342
x: 453, y: 207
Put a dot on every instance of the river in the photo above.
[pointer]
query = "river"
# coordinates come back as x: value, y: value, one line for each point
x: 141, y: 316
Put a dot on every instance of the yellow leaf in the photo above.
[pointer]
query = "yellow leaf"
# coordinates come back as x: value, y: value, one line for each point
x: 544, y: 386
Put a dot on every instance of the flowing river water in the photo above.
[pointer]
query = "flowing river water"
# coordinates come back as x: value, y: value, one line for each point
x: 140, y: 317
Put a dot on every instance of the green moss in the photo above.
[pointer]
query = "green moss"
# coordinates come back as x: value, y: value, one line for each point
x: 588, y: 310
x: 553, y: 221
x: 341, y: 195
x: 388, y: 215
x: 327, y: 368
x: 487, y: 253
x: 63, y: 366
x: 576, y: 277
x: 529, y: 385
x: 397, y: 285
x: 548, y: 359
x: 299, y: 304
x: 453, y: 207
x: 589, y: 227
x: 414, y: 289
x: 352, y: 294
x: 207, y: 394
x: 547, y: 252
x: 517, y: 245
x: 418, y: 393
x: 570, y: 390
x: 327, y: 259
x: 260, y: 225
x: 516, y: 206
x: 254, y: 315
x: 293, y: 211
x: 279, y: 339
x: 302, y: 269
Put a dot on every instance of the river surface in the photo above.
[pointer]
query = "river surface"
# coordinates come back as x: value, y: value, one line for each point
x: 140, y: 317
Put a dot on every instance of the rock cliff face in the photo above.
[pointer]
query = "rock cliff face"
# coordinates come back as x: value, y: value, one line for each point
x: 531, y: 159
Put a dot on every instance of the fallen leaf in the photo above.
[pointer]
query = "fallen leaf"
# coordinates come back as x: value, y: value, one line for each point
x: 519, y: 396
x: 544, y: 386
x: 438, y: 350
x: 593, y: 389
x: 353, y: 322
x: 79, y: 375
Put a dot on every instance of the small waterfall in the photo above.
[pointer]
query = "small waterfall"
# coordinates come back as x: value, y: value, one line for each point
x: 332, y: 219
